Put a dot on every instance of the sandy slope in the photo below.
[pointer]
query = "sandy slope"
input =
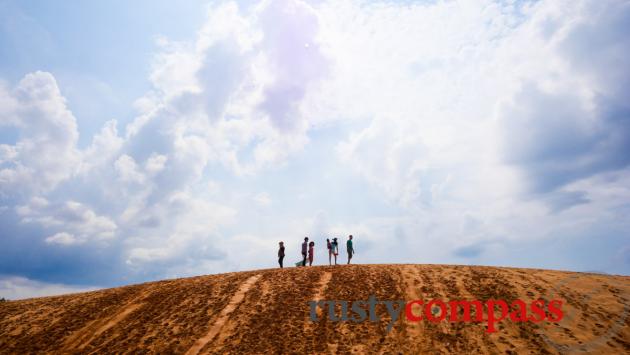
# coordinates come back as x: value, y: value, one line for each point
x: 266, y: 311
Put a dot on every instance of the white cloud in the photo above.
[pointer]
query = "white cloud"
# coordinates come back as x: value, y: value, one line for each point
x: 263, y: 199
x: 155, y: 163
x: 128, y: 170
x: 46, y: 152
x: 63, y: 238
x: 428, y: 98
x: 569, y: 121
x: 16, y: 288
x: 238, y: 102
x: 81, y: 222
x: 431, y: 119
x: 191, y: 235
x: 104, y: 148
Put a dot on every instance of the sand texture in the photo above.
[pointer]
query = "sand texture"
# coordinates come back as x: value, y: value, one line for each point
x: 266, y: 312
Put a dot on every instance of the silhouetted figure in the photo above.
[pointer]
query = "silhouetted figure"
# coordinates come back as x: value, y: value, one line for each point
x: 329, y: 246
x: 350, y: 248
x: 335, y: 249
x: 304, y: 250
x: 281, y: 254
x: 311, y: 251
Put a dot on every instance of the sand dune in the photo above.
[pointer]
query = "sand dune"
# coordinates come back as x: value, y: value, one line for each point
x: 266, y: 311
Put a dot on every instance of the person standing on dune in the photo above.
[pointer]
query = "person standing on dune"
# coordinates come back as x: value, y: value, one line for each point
x: 335, y: 249
x: 281, y: 254
x: 350, y: 248
x: 329, y: 246
x: 311, y: 251
x: 304, y: 250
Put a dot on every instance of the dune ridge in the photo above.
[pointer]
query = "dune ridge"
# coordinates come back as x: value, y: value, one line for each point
x: 263, y: 311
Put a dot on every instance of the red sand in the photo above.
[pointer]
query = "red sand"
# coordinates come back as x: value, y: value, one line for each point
x: 266, y: 311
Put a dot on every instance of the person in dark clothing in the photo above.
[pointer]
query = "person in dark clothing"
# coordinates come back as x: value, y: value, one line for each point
x: 304, y: 251
x: 329, y: 246
x: 349, y: 248
x: 281, y: 254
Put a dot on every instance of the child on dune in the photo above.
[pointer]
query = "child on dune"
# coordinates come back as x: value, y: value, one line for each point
x: 335, y: 249
x: 311, y: 251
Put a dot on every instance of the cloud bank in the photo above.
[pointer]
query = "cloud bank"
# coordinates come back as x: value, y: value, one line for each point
x: 443, y: 132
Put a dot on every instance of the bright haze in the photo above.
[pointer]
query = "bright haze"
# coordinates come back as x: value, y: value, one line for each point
x: 147, y: 140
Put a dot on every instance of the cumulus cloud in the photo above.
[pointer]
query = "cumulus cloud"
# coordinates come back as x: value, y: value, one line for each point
x: 210, y: 106
x: 508, y: 85
x: 127, y: 169
x: 192, y: 235
x: 578, y: 125
x: 45, y: 153
x: 105, y: 146
x: 69, y: 216
x: 500, y: 111
x: 432, y: 132
x: 62, y: 238
x: 421, y: 98
x: 245, y: 77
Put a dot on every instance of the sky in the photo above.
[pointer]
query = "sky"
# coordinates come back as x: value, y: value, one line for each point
x: 148, y: 140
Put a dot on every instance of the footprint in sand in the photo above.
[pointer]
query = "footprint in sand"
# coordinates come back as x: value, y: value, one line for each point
x: 323, y: 285
x: 223, y: 317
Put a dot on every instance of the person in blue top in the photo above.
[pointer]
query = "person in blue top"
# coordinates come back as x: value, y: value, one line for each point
x: 350, y: 248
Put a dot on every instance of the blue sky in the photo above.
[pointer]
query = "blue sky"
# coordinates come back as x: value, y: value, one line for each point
x: 152, y: 140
